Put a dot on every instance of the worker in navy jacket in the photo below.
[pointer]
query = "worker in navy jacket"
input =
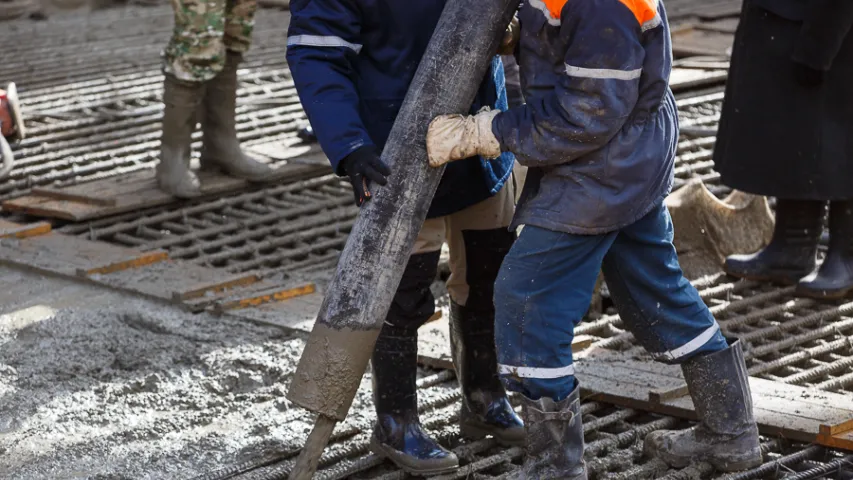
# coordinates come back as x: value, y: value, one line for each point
x: 598, y: 133
x: 352, y: 63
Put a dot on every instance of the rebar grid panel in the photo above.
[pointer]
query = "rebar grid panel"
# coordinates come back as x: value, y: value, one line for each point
x: 787, y: 339
x: 275, y: 230
x: 613, y: 451
x: 93, y: 102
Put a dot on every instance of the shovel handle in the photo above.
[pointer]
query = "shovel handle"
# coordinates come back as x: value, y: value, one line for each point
x: 309, y: 457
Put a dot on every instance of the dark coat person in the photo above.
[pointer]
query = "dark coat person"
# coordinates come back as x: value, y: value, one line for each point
x: 787, y: 131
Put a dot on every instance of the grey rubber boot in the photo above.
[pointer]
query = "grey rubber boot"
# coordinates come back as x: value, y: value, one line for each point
x: 181, y: 101
x: 220, y: 148
x: 554, y: 439
x: 726, y: 436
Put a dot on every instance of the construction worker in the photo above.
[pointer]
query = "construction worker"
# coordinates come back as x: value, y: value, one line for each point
x: 785, y: 132
x: 599, y: 133
x: 352, y: 62
x: 200, y: 65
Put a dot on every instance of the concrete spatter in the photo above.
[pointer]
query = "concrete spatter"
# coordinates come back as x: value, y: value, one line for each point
x: 134, y: 389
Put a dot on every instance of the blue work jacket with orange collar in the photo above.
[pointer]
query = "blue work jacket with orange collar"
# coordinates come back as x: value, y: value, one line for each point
x: 600, y: 128
x: 352, y: 62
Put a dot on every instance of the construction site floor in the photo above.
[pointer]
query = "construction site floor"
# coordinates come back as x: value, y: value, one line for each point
x: 111, y: 368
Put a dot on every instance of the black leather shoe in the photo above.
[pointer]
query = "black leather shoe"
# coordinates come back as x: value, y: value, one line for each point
x: 834, y: 279
x: 791, y: 254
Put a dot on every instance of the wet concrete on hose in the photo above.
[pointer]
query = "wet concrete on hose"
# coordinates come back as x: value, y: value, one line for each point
x: 97, y: 384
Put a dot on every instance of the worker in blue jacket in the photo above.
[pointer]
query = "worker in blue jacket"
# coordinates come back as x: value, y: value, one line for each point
x: 599, y: 133
x: 352, y: 62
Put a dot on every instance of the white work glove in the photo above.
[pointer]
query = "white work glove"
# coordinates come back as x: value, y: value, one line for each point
x: 511, y: 37
x: 456, y: 137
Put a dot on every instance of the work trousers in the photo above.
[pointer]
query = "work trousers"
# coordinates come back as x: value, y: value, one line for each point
x: 478, y: 239
x: 545, y: 286
x: 204, y: 31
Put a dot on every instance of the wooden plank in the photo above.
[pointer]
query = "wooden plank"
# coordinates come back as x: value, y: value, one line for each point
x: 692, y: 40
x: 62, y: 254
x: 714, y: 11
x: 837, y: 436
x: 114, y: 195
x: 276, y: 294
x: 15, y: 230
x: 56, y: 194
x: 199, y: 290
x: 139, y: 260
x: 788, y: 410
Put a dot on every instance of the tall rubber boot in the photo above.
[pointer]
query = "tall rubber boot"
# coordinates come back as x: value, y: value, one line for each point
x: 180, y: 100
x: 834, y: 279
x: 726, y: 436
x: 485, y: 407
x: 398, y: 435
x: 791, y: 253
x: 220, y: 148
x: 554, y: 439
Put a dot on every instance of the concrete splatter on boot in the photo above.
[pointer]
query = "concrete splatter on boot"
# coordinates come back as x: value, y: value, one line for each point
x: 485, y: 407
x: 726, y: 436
x: 554, y: 439
x: 181, y: 101
x: 220, y: 148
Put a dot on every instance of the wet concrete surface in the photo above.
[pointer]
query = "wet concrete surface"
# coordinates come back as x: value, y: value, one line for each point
x: 99, y: 384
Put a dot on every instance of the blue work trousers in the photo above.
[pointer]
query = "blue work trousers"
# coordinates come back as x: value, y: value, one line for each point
x: 545, y: 287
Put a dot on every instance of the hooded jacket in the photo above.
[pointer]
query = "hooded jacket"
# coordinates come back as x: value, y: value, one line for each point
x: 600, y: 128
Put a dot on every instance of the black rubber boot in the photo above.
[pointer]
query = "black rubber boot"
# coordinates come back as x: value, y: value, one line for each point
x: 791, y: 253
x: 554, y: 439
x: 398, y: 435
x: 726, y: 436
x: 220, y: 147
x: 834, y: 279
x: 485, y: 407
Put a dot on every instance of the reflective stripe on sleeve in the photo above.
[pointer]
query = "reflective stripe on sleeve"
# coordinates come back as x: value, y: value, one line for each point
x: 603, y: 73
x: 322, y: 41
x: 690, y: 346
x: 540, y: 373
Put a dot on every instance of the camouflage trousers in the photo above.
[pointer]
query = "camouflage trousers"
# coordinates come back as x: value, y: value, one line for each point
x: 204, y: 31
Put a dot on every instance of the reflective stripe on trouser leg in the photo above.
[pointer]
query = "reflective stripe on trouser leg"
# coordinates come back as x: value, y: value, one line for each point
x: 543, y: 290
x: 657, y: 304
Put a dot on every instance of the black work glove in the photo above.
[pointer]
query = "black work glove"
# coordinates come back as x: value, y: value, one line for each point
x: 807, y: 76
x: 363, y: 166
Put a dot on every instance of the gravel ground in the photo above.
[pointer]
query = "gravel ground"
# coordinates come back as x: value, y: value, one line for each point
x: 127, y: 388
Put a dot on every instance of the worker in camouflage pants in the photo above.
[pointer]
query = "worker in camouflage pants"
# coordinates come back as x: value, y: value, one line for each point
x: 200, y: 65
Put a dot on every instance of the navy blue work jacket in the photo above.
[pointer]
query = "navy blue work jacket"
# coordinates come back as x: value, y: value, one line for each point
x: 600, y: 127
x: 353, y: 61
